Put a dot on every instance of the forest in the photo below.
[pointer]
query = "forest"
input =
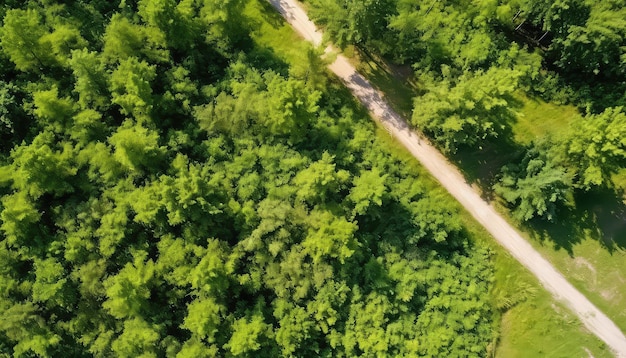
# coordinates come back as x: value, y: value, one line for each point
x: 171, y: 188
x: 560, y: 51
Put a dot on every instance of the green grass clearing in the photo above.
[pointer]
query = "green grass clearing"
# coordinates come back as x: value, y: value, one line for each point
x: 538, y: 118
x: 537, y: 326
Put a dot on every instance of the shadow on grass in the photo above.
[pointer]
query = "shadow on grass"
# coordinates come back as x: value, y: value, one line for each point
x: 270, y: 15
x: 599, y: 215
x: 481, y: 166
x: 607, y: 209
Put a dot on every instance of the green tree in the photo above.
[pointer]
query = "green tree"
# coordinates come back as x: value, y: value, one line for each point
x: 128, y: 292
x: 361, y: 23
x: 287, y: 106
x: 366, y: 325
x: 20, y: 219
x: 313, y: 70
x: 136, y: 147
x: 138, y: 339
x: 161, y: 196
x: 330, y: 237
x: 222, y: 21
x: 23, y: 39
x: 209, y: 276
x: 184, y: 91
x: 91, y: 79
x: 563, y: 14
x: 112, y: 229
x: 597, y: 147
x: 204, y: 318
x: 320, y: 181
x: 49, y: 282
x: 595, y: 48
x: 248, y: 335
x: 124, y: 39
x: 54, y: 113
x: 194, y: 348
x: 468, y: 110
x: 536, y: 187
x: 64, y: 39
x: 102, y: 165
x: 369, y: 189
x: 14, y: 121
x: 131, y: 89
x: 88, y: 125
x: 40, y: 168
x: 22, y: 324
x: 436, y: 33
x: 176, y: 21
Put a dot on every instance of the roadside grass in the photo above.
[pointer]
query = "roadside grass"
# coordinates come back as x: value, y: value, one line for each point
x: 535, y: 325
x: 537, y: 118
x: 588, y: 247
x: 270, y: 30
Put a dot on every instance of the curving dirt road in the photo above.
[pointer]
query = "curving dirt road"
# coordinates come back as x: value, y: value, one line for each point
x: 451, y: 179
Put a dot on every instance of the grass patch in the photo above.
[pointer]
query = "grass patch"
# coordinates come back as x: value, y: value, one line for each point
x: 538, y: 118
x: 270, y: 30
x: 536, y: 325
x: 590, y: 253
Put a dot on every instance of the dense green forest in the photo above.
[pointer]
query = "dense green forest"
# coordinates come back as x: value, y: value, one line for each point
x: 477, y: 61
x: 170, y: 188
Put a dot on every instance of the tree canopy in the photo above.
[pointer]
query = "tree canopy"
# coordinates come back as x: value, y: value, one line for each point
x: 169, y: 189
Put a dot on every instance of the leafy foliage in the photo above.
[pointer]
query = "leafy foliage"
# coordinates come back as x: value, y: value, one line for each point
x: 170, y: 198
x: 536, y: 187
x: 597, y: 147
x: 468, y: 110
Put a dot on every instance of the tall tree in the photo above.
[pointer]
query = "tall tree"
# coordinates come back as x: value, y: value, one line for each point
x: 597, y: 147
x: 90, y: 79
x: 124, y: 39
x: 22, y: 38
x: 537, y: 187
x: 136, y: 147
x: 131, y: 89
x: 468, y: 110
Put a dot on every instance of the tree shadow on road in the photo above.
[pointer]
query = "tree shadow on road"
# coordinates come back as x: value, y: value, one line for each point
x: 481, y: 166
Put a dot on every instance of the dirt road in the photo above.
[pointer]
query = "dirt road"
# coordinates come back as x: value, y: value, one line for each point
x: 451, y: 179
